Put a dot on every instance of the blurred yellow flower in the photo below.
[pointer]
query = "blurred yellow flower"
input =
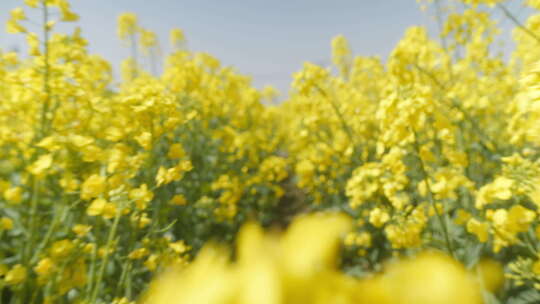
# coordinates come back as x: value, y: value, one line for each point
x: 16, y: 275
x: 13, y: 195
x: 93, y: 186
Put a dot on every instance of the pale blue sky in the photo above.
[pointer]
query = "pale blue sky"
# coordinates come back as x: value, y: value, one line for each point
x: 268, y: 40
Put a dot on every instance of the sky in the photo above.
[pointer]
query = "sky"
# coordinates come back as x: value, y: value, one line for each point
x: 266, y: 39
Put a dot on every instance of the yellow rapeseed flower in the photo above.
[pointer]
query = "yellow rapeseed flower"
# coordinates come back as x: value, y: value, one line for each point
x: 93, y: 186
x: 16, y: 275
x: 13, y: 195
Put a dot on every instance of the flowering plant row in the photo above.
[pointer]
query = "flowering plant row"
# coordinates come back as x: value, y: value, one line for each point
x: 435, y: 149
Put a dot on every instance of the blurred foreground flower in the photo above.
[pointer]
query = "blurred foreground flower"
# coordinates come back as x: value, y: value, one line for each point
x: 300, y: 266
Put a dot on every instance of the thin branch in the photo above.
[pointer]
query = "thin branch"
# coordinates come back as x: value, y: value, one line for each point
x: 442, y: 220
x: 509, y: 14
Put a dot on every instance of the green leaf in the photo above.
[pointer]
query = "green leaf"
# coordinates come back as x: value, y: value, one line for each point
x: 490, y: 298
x: 529, y: 296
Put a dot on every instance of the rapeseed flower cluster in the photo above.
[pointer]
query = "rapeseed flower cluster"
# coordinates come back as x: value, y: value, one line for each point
x: 300, y: 266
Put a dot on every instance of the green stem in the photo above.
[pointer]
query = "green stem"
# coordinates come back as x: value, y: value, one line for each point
x: 124, y: 277
x: 89, y: 285
x: 340, y: 116
x: 510, y: 16
x: 46, y: 72
x: 58, y: 215
x: 440, y: 218
x: 110, y: 239
x: 439, y: 19
x: 31, y: 224
x: 485, y: 140
x: 134, y: 56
